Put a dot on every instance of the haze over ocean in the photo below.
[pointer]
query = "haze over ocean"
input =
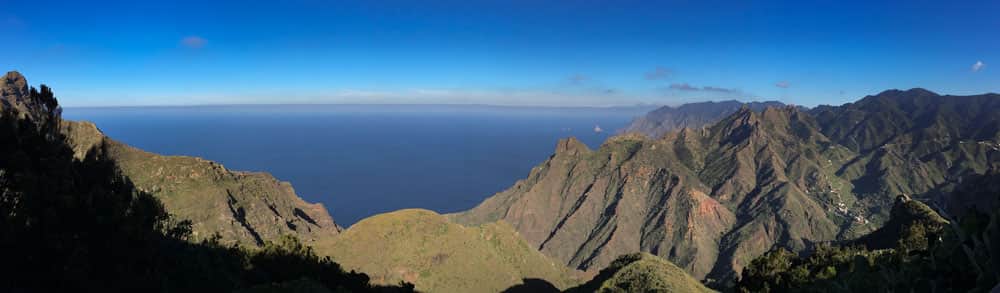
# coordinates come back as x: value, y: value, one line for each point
x: 361, y: 160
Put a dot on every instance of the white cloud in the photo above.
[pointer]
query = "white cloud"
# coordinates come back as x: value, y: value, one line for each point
x: 979, y: 65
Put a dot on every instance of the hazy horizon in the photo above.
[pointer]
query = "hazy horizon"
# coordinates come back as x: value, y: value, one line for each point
x: 502, y: 106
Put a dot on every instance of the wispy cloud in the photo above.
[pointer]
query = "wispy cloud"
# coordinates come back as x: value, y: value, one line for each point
x: 578, y: 79
x: 683, y: 87
x: 783, y: 84
x: 979, y: 65
x: 194, y: 42
x: 718, y: 89
x: 689, y: 88
x: 659, y: 73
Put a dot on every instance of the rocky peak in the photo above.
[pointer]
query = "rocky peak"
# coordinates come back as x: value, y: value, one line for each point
x: 743, y: 116
x: 571, y: 146
x: 738, y: 126
x: 27, y: 102
x: 13, y: 85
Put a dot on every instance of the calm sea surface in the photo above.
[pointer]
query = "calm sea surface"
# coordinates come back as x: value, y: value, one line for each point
x: 360, y: 160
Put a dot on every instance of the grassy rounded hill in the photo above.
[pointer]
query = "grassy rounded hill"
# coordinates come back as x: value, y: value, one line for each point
x: 642, y: 272
x: 424, y: 248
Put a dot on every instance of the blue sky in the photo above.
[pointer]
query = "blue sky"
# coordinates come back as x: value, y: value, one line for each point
x: 572, y: 53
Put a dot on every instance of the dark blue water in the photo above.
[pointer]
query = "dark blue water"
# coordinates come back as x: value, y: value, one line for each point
x: 364, y: 160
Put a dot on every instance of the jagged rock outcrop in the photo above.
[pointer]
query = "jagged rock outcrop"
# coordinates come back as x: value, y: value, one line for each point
x: 712, y: 199
x: 26, y: 101
x: 692, y: 115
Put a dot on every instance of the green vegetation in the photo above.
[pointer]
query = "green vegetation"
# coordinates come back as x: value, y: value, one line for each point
x: 79, y: 225
x: 423, y: 248
x: 641, y: 272
x: 929, y: 255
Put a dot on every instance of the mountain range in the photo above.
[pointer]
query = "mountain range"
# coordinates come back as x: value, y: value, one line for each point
x: 700, y: 193
x: 711, y: 199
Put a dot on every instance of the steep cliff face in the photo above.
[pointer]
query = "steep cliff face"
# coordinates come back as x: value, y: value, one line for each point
x: 243, y: 207
x: 712, y: 199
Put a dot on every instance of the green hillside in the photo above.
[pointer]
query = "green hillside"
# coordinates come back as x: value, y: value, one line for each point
x: 423, y: 248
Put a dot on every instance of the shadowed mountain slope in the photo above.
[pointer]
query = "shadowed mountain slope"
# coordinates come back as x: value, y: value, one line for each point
x: 913, y: 141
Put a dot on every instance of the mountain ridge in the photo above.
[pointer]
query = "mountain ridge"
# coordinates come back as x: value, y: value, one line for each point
x: 780, y: 177
x: 691, y: 115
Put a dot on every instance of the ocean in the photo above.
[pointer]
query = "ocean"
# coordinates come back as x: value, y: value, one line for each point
x: 361, y: 160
